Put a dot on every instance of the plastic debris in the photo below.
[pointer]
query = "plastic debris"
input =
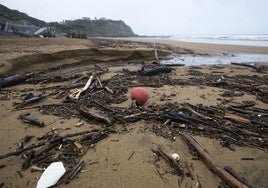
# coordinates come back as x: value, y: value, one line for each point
x: 175, y: 156
x: 51, y: 175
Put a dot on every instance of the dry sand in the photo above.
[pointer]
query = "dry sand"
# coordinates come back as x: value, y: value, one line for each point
x: 108, y: 164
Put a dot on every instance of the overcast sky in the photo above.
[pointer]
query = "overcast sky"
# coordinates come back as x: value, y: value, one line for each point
x: 158, y: 17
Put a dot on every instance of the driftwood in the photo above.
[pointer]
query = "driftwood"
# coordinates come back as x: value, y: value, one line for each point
x: 243, y: 128
x: 20, y: 151
x: 33, y: 154
x: 186, y: 118
x: 67, y: 151
x: 72, y: 173
x: 173, y: 163
x: 245, y: 65
x: 104, y: 106
x: 37, y: 169
x: 131, y: 155
x: 134, y: 115
x: 75, y: 171
x: 233, y: 173
x: 187, y: 107
x: 30, y: 101
x: 236, y: 118
x: 33, y: 121
x: 171, y: 64
x: 41, y: 143
x: 75, y: 134
x: 90, y: 113
x: 12, y: 80
x: 154, y: 70
x: 213, y: 165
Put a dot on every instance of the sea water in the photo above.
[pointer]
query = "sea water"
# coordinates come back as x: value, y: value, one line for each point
x: 194, y: 60
x: 245, y: 40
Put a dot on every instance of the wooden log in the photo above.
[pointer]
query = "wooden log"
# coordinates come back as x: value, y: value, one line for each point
x: 245, y: 65
x: 154, y: 70
x: 236, y: 118
x: 213, y: 165
x: 171, y: 64
x: 59, y: 138
x: 30, y: 101
x: 28, y: 159
x: 234, y: 174
x: 90, y: 113
x: 98, y: 137
x: 134, y: 115
x: 187, y: 107
x: 75, y: 170
x: 72, y: 173
x: 187, y: 118
x: 11, y: 80
x: 248, y: 104
x: 104, y: 106
x: 33, y: 121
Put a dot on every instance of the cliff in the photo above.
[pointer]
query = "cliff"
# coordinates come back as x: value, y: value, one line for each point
x: 96, y: 28
x: 15, y: 15
x: 92, y: 28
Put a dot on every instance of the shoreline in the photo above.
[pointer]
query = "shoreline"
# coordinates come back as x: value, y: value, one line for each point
x: 15, y: 49
x: 206, y: 47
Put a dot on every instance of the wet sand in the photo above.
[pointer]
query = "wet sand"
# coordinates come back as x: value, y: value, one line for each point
x: 209, y: 48
x: 109, y: 162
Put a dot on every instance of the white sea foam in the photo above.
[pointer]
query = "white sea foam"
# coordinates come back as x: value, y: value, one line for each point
x: 190, y: 60
x: 245, y: 40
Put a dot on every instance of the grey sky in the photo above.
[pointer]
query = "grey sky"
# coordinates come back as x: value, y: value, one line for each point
x: 158, y: 17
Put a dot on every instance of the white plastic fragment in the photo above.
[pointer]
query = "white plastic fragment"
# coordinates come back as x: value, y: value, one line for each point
x: 175, y: 156
x: 51, y: 175
x: 75, y: 93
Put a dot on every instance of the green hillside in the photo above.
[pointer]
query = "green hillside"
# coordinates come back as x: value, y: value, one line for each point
x: 102, y: 27
x: 92, y: 28
x: 17, y: 15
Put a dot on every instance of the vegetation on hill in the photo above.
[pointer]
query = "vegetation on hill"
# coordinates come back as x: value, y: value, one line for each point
x: 96, y: 28
x: 16, y: 15
x: 92, y: 28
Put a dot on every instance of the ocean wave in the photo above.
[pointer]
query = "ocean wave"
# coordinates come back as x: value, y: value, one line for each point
x: 247, y: 40
x: 224, y: 37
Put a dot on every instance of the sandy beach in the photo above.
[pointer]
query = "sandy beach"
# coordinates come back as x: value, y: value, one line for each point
x: 209, y: 48
x: 125, y: 158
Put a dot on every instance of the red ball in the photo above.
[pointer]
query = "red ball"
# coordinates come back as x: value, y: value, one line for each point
x: 140, y: 95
